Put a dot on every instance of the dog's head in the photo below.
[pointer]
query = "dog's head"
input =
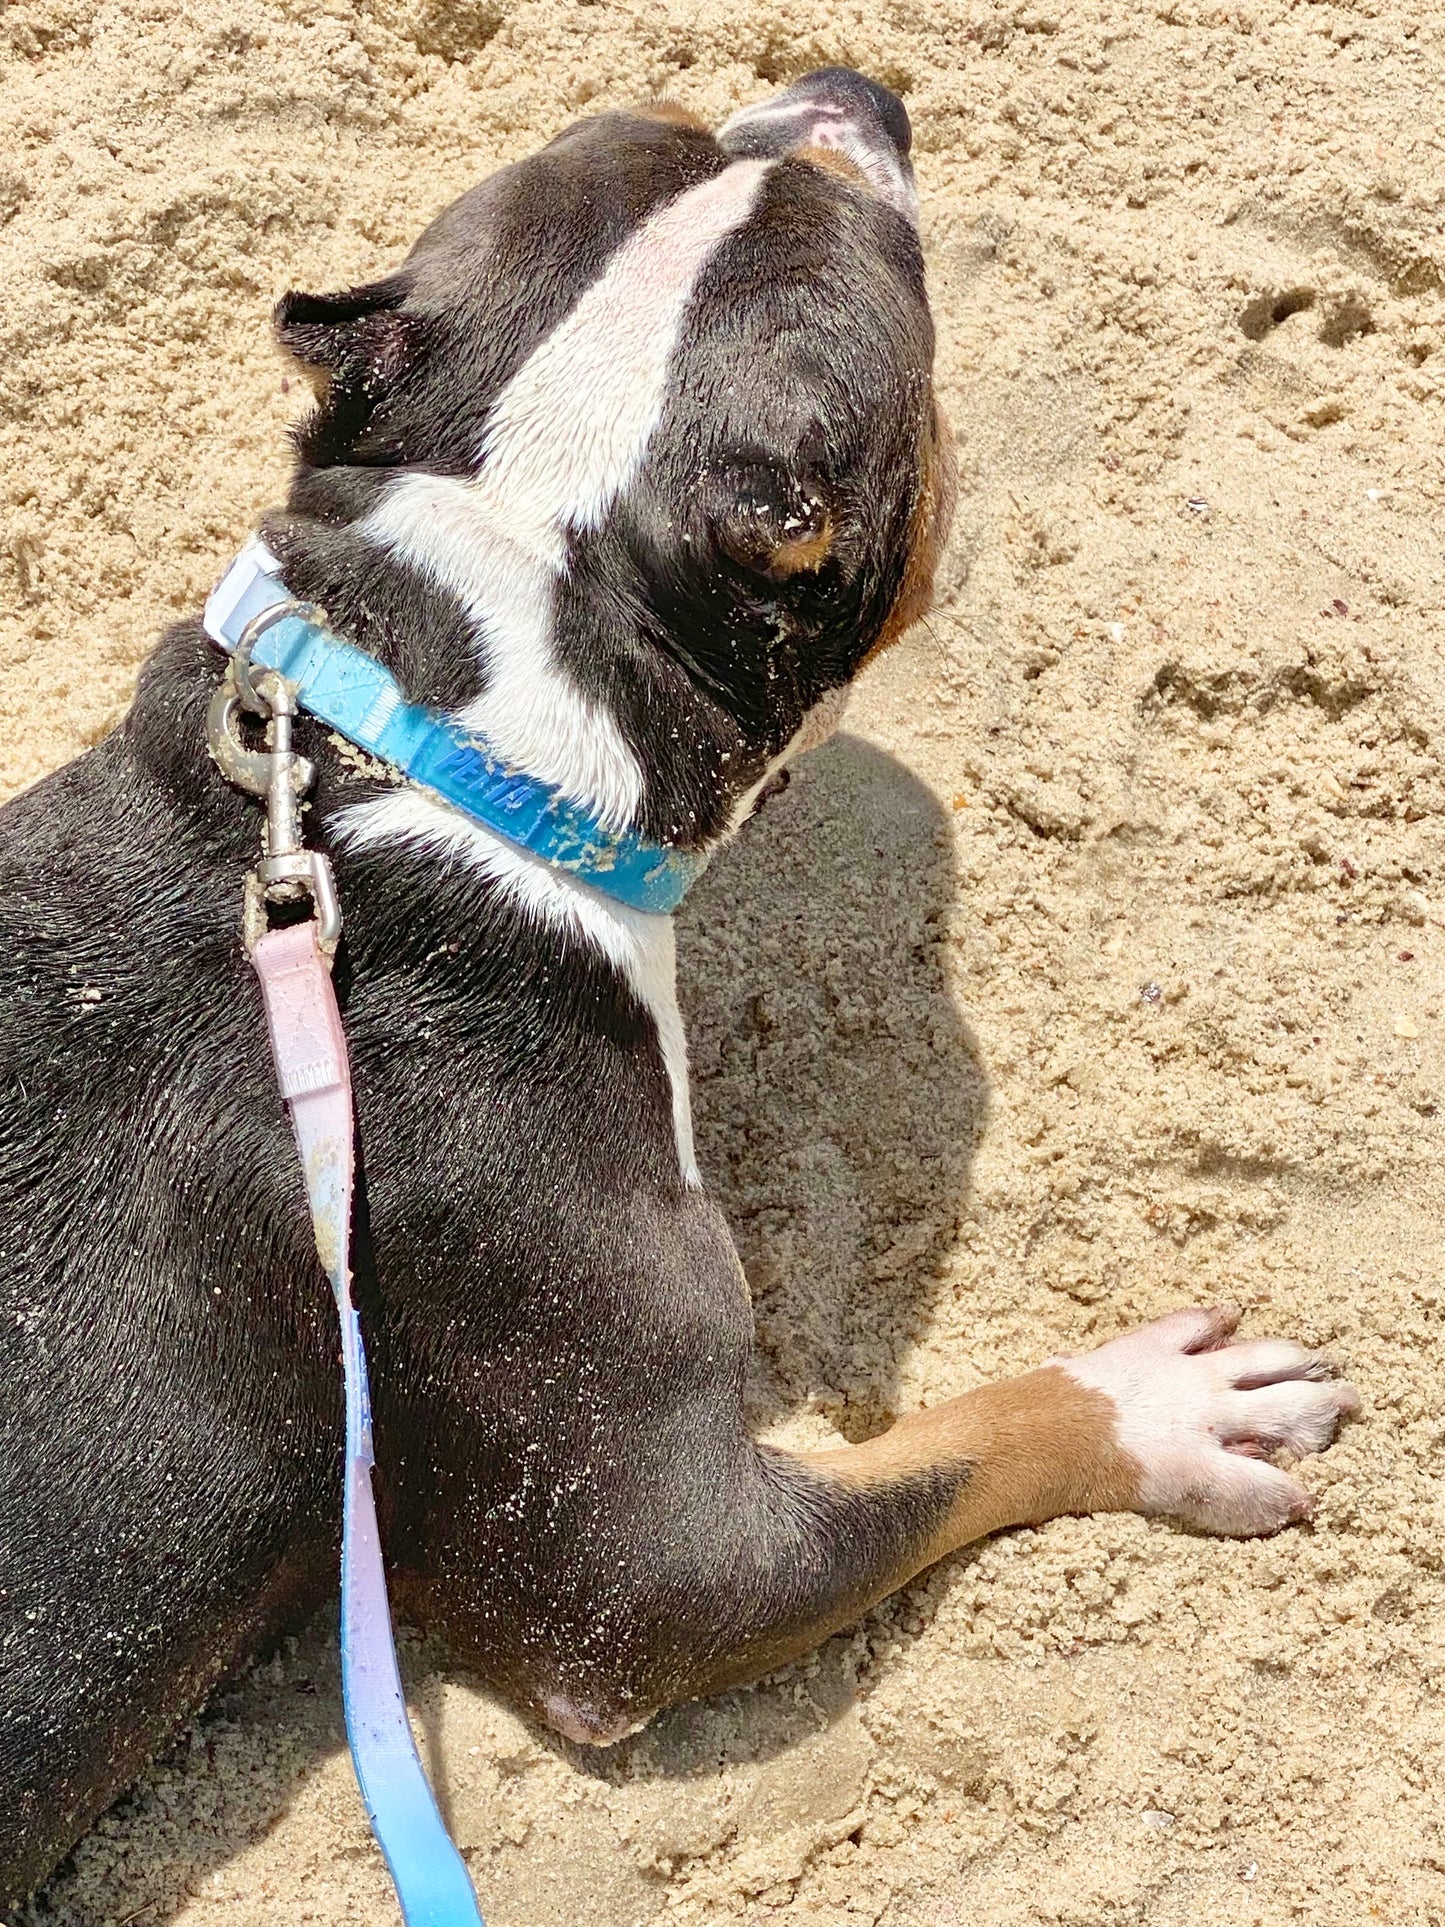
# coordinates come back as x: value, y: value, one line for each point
x: 655, y: 407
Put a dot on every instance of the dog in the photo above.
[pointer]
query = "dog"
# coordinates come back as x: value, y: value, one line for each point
x: 630, y: 468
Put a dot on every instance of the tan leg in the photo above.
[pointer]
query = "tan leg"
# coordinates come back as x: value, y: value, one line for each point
x: 1026, y: 1449
x: 1170, y: 1419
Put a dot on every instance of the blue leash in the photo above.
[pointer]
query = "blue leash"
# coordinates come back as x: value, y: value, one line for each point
x: 308, y: 1047
x: 430, y: 1876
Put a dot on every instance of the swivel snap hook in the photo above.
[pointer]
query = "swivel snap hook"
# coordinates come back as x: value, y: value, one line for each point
x: 288, y: 871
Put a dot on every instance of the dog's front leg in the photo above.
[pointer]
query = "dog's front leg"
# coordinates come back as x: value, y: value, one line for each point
x: 741, y: 1557
x: 1172, y: 1419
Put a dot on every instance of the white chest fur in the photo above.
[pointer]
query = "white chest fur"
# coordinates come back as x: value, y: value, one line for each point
x: 640, y: 947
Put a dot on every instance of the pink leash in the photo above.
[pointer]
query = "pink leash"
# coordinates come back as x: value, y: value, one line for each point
x: 308, y: 1046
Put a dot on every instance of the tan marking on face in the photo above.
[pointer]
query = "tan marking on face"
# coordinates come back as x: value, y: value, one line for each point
x: 672, y: 114
x: 833, y: 160
x: 1031, y: 1447
x: 808, y: 552
x: 928, y: 528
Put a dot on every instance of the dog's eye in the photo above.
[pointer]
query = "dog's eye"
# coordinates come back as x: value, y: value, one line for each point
x: 772, y: 522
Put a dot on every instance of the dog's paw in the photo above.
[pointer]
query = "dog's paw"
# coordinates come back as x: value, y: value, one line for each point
x: 1200, y: 1415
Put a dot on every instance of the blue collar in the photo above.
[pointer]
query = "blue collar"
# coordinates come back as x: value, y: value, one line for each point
x: 360, y: 699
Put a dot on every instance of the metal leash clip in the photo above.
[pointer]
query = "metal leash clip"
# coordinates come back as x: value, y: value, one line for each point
x: 288, y: 872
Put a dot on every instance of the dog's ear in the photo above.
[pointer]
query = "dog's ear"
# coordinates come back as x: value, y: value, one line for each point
x: 362, y: 338
x: 771, y: 520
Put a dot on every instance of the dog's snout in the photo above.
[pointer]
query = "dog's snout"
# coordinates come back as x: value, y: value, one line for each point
x: 838, y: 109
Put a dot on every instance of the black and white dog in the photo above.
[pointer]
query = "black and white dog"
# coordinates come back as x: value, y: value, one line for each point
x: 629, y: 467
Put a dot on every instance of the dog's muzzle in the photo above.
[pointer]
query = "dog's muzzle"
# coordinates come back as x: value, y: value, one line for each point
x: 836, y: 108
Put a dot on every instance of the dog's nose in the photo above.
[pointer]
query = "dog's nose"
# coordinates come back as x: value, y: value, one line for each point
x: 836, y: 108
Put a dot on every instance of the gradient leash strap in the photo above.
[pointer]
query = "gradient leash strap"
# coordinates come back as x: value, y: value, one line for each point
x: 309, y: 1048
x: 308, y: 1045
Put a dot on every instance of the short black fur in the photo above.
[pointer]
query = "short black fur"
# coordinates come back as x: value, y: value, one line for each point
x: 557, y: 1323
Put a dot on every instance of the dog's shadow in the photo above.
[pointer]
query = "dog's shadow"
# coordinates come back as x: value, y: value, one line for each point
x: 838, y: 1099
x: 837, y: 1093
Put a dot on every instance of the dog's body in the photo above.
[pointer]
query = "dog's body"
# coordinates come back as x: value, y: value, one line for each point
x: 630, y: 467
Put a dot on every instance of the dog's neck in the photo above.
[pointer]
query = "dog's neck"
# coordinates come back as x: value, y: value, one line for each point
x: 420, y: 571
x: 404, y: 566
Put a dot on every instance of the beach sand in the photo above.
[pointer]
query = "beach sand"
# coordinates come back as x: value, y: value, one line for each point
x: 1098, y: 968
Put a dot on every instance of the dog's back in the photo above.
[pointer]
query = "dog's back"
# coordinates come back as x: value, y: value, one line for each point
x: 560, y: 1327
x: 166, y: 1443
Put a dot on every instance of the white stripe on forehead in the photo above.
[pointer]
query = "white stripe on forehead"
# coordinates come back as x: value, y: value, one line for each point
x: 564, y: 438
x: 569, y: 430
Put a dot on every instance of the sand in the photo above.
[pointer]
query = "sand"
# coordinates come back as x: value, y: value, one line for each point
x: 1099, y: 968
